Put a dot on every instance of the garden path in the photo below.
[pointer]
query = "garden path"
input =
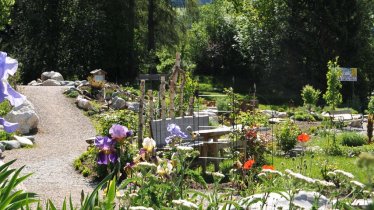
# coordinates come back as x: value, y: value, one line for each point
x: 60, y: 139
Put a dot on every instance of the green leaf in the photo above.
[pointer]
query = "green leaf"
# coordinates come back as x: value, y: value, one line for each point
x: 111, y: 194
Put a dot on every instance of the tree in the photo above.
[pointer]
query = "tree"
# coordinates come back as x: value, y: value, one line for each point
x: 310, y: 96
x: 332, y: 96
x: 5, y: 9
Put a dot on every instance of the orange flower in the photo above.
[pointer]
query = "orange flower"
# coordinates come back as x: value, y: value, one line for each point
x: 303, y: 137
x: 248, y: 165
x: 271, y: 167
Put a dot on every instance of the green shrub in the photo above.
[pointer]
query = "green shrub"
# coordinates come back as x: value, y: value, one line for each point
x: 5, y: 136
x: 352, y: 139
x: 122, y: 117
x: 301, y: 116
x: 73, y: 94
x: 371, y: 106
x: 5, y: 108
x: 310, y: 96
x: 287, y: 135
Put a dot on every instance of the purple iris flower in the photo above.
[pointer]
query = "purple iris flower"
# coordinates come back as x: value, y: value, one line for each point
x: 174, y: 129
x: 119, y: 132
x: 8, y: 67
x: 107, y: 152
x: 8, y: 127
x: 175, y: 133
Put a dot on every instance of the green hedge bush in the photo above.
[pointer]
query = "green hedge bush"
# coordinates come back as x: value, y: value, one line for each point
x: 352, y: 139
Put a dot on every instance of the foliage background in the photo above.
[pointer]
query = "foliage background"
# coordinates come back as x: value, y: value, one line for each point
x: 281, y: 45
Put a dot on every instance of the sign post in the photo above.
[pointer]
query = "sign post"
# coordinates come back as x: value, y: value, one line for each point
x: 349, y: 75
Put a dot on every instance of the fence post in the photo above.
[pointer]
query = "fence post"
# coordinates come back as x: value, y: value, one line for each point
x: 141, y: 112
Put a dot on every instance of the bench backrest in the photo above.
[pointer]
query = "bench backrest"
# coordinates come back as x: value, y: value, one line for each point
x: 344, y: 111
x: 159, y: 131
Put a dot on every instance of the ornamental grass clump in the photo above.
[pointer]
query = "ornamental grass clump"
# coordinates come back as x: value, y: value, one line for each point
x: 352, y: 139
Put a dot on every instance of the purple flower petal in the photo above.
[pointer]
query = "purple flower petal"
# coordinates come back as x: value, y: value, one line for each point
x: 118, y: 131
x: 8, y: 67
x: 102, y: 158
x: 113, y: 157
x: 8, y: 127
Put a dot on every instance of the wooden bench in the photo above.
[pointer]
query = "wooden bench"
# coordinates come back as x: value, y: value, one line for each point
x: 346, y: 116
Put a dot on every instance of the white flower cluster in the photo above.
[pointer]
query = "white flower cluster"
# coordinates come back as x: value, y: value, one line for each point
x: 300, y: 177
x: 184, y: 148
x: 146, y: 165
x: 358, y: 184
x: 324, y: 183
x: 185, y: 203
x: 140, y: 208
x: 272, y: 172
x: 344, y: 173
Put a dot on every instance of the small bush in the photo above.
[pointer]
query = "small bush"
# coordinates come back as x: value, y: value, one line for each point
x: 287, y: 135
x: 301, y: 116
x: 4, y: 108
x: 5, y: 136
x: 352, y: 139
x: 73, y: 94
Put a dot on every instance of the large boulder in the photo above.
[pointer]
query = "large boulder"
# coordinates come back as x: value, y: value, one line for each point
x: 25, y: 116
x: 118, y: 103
x: 133, y: 106
x: 303, y: 200
x: 52, y: 75
x: 51, y: 82
x: 83, y: 103
x: 34, y: 83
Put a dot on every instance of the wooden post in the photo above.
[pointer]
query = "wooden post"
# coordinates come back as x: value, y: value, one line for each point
x: 181, y: 95
x: 190, y: 105
x: 141, y: 112
x: 151, y: 109
x: 162, y: 95
x: 172, y: 88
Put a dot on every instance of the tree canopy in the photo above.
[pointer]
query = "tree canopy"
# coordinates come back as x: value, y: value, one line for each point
x: 281, y: 45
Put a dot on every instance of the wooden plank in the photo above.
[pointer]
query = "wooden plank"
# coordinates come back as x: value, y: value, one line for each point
x: 151, y: 77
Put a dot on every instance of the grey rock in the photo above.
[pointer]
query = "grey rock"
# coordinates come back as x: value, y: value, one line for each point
x: 133, y: 106
x: 31, y: 138
x: 282, y: 114
x: 303, y: 199
x: 23, y: 141
x: 2, y: 147
x: 83, y: 103
x: 51, y: 82
x: 39, y: 81
x: 67, y: 83
x: 11, y: 144
x: 118, y: 103
x: 71, y: 89
x: 25, y: 116
x: 52, y: 75
x: 34, y: 83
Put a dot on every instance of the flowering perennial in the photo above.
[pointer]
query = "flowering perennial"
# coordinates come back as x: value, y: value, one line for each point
x: 8, y: 67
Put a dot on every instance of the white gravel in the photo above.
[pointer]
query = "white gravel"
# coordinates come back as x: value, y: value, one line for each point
x: 60, y: 139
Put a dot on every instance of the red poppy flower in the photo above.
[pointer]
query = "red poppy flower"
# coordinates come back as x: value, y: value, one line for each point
x: 271, y: 167
x: 251, y: 134
x: 303, y: 137
x: 248, y: 165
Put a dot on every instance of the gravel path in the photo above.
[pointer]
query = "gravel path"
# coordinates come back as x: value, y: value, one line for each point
x: 60, y: 139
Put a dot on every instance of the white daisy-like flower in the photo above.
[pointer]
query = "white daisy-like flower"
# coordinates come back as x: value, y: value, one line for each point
x: 140, y: 208
x: 185, y: 203
x: 149, y: 144
x: 344, y: 173
x: 184, y: 148
x: 324, y: 183
x: 145, y: 165
x: 358, y: 184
